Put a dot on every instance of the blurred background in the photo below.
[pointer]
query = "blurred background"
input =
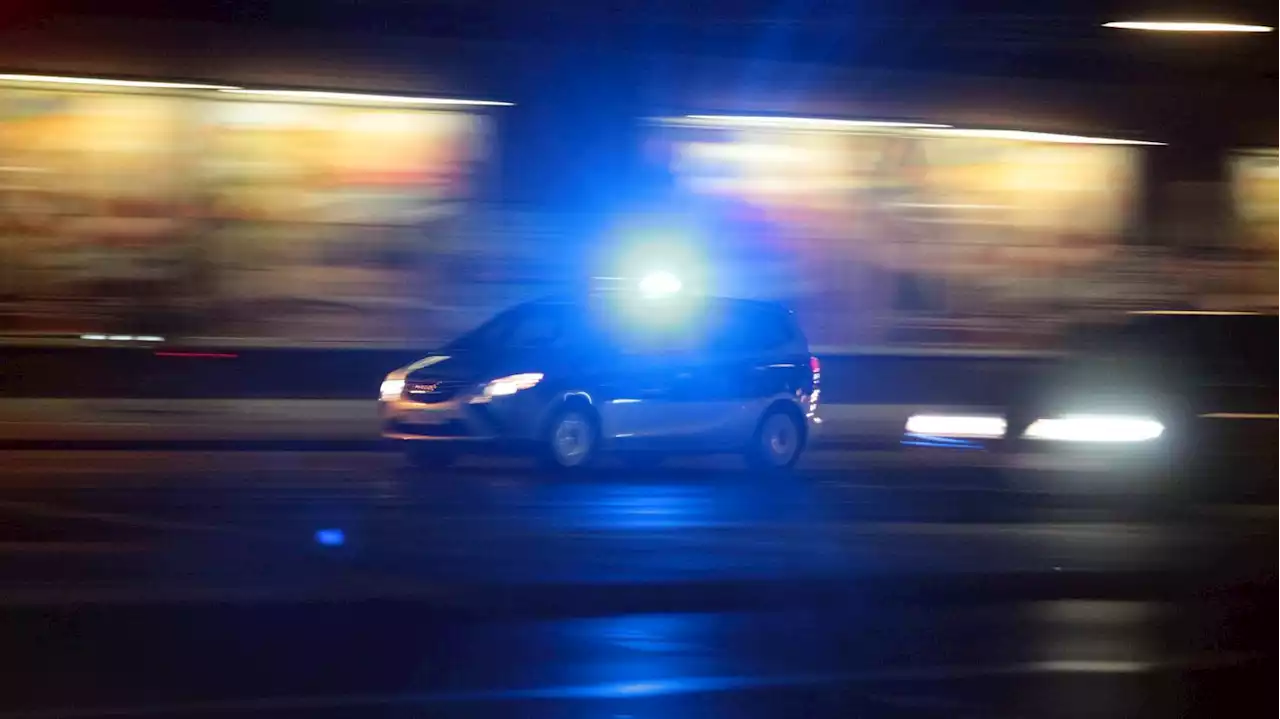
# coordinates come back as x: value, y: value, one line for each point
x: 477, y: 155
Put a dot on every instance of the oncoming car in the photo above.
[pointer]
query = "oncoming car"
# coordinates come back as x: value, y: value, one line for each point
x: 1179, y: 404
x: 570, y: 378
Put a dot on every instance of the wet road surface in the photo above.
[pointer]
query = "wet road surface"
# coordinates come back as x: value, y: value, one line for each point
x: 340, y: 584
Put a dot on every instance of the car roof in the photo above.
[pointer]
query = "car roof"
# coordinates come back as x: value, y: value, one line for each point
x: 585, y: 299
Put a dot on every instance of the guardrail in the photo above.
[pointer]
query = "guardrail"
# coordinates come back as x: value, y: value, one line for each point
x: 147, y: 370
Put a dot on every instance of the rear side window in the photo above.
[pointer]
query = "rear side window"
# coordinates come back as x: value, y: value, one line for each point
x: 749, y: 328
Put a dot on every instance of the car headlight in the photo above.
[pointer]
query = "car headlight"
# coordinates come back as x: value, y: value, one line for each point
x: 391, y: 389
x: 1095, y: 428
x: 504, y: 386
x: 951, y: 425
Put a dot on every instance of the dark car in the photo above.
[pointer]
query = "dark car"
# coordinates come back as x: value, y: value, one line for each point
x: 569, y: 378
x: 1178, y: 403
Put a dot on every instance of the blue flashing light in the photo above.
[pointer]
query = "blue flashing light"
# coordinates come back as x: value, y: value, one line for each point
x: 660, y: 284
x: 330, y: 537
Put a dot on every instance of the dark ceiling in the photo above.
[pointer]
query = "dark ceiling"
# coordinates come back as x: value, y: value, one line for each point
x: 1048, y: 38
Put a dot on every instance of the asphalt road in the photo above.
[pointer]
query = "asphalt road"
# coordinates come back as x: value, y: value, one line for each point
x: 341, y: 584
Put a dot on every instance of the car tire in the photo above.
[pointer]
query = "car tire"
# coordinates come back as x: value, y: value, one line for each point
x: 778, y: 441
x: 571, y: 440
x: 429, y: 455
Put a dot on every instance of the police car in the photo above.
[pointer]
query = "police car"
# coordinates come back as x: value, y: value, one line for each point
x: 1177, y: 403
x: 642, y: 373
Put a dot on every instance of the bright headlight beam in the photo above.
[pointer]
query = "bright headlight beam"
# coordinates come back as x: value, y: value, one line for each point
x: 391, y: 389
x: 505, y: 386
x: 944, y: 425
x: 1186, y: 26
x: 1095, y: 428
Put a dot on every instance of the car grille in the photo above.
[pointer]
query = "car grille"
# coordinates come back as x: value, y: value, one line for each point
x: 432, y: 390
x: 454, y: 428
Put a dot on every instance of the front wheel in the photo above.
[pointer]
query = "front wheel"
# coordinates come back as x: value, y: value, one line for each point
x: 778, y: 441
x: 571, y: 440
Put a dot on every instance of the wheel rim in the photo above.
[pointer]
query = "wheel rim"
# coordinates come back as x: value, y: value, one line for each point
x: 780, y: 439
x: 572, y: 440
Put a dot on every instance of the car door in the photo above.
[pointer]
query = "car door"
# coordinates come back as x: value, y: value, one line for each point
x: 746, y: 364
x: 642, y: 387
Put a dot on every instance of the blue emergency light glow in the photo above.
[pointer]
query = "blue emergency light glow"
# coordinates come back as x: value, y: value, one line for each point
x: 330, y: 537
x: 659, y: 284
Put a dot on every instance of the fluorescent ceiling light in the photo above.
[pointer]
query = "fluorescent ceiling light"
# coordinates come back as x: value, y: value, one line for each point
x: 1195, y: 313
x: 360, y: 97
x: 801, y: 123
x: 60, y: 80
x: 1039, y: 137
x: 1188, y: 27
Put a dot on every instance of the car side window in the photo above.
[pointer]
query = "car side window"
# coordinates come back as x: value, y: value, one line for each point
x: 748, y: 329
x: 537, y: 329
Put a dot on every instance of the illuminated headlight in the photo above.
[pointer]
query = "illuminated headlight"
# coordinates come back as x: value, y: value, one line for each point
x: 1095, y: 428
x: 391, y: 389
x: 504, y: 386
x: 946, y: 425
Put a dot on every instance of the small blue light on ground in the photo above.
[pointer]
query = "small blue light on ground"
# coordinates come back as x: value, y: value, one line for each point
x: 330, y: 537
x: 921, y: 440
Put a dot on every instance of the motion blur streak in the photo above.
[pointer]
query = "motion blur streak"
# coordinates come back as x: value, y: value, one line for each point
x: 60, y: 80
x: 361, y: 97
x: 804, y: 123
x: 1039, y: 137
x: 1187, y: 26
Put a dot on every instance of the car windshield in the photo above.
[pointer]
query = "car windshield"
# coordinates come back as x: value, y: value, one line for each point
x: 527, y: 326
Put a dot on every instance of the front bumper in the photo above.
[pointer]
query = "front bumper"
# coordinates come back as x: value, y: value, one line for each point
x: 466, y: 418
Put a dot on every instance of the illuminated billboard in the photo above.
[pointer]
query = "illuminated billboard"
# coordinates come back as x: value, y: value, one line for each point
x: 905, y: 235
x: 216, y: 214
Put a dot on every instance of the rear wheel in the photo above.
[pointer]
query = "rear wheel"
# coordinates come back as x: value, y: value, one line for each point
x: 571, y: 439
x: 778, y: 441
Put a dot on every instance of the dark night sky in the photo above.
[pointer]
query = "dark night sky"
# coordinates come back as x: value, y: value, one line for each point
x: 583, y: 70
x: 1057, y: 38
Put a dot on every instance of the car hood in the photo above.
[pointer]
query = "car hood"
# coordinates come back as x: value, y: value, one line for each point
x: 468, y: 366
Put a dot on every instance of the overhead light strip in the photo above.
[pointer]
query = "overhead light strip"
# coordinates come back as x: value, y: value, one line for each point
x: 324, y: 95
x: 108, y: 82
x: 1187, y: 26
x: 1038, y: 137
x: 321, y: 95
x: 800, y: 123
